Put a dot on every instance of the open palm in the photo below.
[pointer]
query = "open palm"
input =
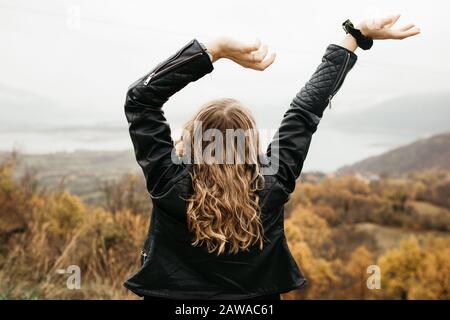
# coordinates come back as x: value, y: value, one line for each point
x: 253, y: 56
x: 383, y: 28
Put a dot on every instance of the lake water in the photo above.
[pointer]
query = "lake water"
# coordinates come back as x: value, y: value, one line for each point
x: 330, y: 148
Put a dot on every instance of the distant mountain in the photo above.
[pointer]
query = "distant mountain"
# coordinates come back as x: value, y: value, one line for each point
x: 426, y: 154
x: 22, y: 109
x: 417, y: 114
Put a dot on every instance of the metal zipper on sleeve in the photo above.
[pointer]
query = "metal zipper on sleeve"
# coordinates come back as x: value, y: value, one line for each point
x: 341, y: 75
x: 147, y: 80
x: 165, y: 63
x: 160, y: 72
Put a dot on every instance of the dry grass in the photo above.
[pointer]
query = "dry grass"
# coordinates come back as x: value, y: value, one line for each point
x: 106, y: 248
x: 43, y: 232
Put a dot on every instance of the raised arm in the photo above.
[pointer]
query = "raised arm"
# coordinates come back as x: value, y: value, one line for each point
x: 289, y: 148
x: 149, y: 130
x: 148, y: 127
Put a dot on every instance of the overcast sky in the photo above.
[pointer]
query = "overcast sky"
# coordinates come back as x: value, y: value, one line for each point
x: 66, y: 64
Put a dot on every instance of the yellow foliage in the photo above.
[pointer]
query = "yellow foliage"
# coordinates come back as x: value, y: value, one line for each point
x: 356, y: 268
x: 61, y: 213
x: 311, y: 228
x: 319, y: 272
x: 41, y: 232
x: 413, y: 271
x: 302, y: 228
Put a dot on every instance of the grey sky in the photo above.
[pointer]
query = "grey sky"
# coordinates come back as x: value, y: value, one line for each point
x: 54, y: 74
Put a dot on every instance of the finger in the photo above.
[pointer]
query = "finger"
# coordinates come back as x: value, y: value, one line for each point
x: 243, y: 62
x: 266, y: 63
x: 411, y: 32
x: 393, y: 21
x: 388, y: 21
x: 252, y: 57
x: 258, y: 56
x: 251, y: 47
x: 399, y: 35
x: 406, y: 27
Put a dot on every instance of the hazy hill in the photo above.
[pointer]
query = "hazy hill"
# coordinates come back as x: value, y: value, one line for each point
x: 418, y: 114
x: 426, y: 154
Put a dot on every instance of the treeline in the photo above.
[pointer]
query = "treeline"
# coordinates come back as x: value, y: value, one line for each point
x: 335, y: 255
x: 43, y: 231
x: 420, y: 201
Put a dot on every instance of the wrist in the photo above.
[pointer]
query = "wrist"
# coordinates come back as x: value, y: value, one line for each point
x: 349, y: 43
x: 215, y: 49
x: 359, y: 34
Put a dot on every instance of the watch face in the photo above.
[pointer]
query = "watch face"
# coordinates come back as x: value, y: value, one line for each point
x: 347, y: 25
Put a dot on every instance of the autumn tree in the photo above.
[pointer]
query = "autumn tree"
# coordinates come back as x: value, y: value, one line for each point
x: 400, y: 269
x: 305, y: 230
x: 356, y: 269
x: 313, y: 229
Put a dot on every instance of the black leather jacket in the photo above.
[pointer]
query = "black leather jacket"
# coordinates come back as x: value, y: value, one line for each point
x: 171, y: 267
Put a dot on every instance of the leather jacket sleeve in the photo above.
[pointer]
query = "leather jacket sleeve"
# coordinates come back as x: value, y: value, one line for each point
x: 290, y: 145
x: 149, y: 130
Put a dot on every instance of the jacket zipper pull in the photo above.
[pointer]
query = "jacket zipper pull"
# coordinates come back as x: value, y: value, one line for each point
x: 343, y: 70
x: 147, y: 80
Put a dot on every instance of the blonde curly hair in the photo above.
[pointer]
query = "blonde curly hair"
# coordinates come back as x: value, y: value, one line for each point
x: 223, y: 212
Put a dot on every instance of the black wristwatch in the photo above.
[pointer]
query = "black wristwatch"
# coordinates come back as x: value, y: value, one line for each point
x: 363, y: 42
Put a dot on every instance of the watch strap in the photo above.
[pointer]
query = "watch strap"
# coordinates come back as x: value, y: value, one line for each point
x: 363, y: 42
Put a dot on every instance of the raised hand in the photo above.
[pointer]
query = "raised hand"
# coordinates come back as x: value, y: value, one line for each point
x: 253, y: 56
x: 381, y: 29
